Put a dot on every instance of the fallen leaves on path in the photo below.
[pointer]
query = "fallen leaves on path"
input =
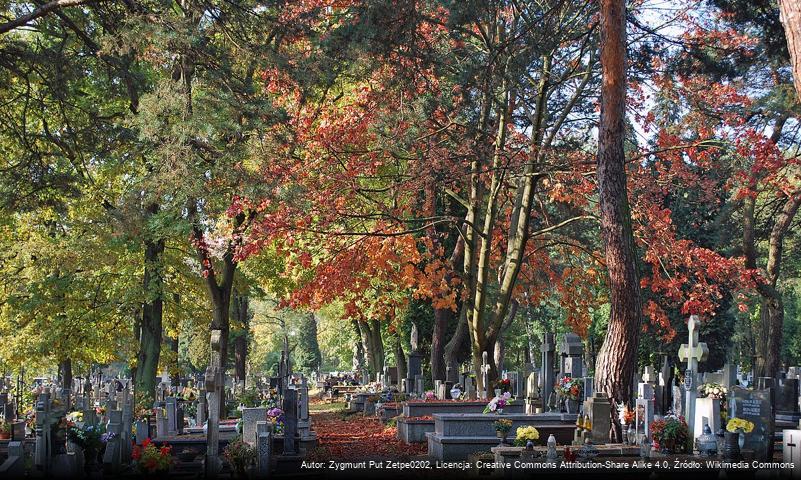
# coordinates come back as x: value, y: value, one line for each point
x: 351, y: 437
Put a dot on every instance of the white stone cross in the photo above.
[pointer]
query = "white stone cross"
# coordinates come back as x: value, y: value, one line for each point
x: 485, y: 368
x: 692, y: 352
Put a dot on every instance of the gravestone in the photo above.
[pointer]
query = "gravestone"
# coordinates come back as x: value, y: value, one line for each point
x: 546, y: 373
x: 304, y: 421
x: 707, y: 412
x: 599, y: 408
x: 142, y: 429
x: 791, y: 450
x: 44, y: 447
x: 787, y: 397
x: 677, y: 400
x: 214, y: 383
x: 14, y: 466
x: 514, y: 384
x: 587, y: 388
x: 127, y: 424
x: 161, y: 423
x: 171, y: 407
x: 692, y: 352
x: 644, y: 412
x: 263, y: 448
x: 17, y: 431
x: 202, y: 407
x: 112, y: 457
x: 532, y: 393
x: 439, y: 389
x: 755, y: 406
x: 418, y: 385
x: 571, y: 351
x: 470, y: 388
x: 484, y: 393
x: 664, y: 390
x: 290, y: 421
x: 250, y: 419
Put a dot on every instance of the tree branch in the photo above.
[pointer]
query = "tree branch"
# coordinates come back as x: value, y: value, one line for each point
x: 41, y: 12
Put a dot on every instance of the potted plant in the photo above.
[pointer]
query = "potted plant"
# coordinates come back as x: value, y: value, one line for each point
x: 670, y: 433
x: 502, y: 428
x: 240, y: 455
x: 5, y: 430
x: 526, y: 436
x: 150, y: 459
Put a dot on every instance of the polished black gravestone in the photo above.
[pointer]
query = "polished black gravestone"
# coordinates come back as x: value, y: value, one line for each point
x: 756, y: 406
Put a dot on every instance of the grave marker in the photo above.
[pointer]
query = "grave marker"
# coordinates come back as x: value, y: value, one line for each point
x: 756, y: 407
x: 692, y: 352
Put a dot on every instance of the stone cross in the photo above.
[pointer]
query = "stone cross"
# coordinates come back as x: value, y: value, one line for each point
x: 692, y: 353
x: 485, y: 368
x: 546, y: 367
x: 263, y: 448
x: 792, y: 450
x: 214, y: 386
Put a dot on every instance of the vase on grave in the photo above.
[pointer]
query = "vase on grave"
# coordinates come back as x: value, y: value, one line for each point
x: 502, y: 435
x: 741, y: 438
x: 571, y: 405
x: 631, y: 435
x: 498, y: 392
x: 731, y: 445
x: 529, y: 445
x: 499, y: 411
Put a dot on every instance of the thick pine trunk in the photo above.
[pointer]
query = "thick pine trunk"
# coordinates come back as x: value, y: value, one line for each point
x: 791, y: 20
x: 150, y: 333
x: 618, y: 356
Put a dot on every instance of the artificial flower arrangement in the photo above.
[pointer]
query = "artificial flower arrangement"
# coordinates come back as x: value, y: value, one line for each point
x: 151, y: 459
x: 628, y: 415
x: 76, y: 418
x: 714, y: 390
x: 737, y: 424
x: 498, y: 403
x: 569, y: 387
x: 504, y: 385
x: 276, y: 416
x: 88, y: 437
x: 524, y: 434
x: 429, y: 396
x: 5, y: 429
x: 670, y: 430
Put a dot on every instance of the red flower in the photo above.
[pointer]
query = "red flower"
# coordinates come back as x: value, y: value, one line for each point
x: 136, y: 454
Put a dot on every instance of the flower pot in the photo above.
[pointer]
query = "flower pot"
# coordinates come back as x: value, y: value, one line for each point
x: 571, y: 405
x: 502, y: 435
x: 498, y: 392
x: 731, y: 445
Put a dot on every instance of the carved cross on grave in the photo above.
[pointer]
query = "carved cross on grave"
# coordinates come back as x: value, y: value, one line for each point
x: 692, y: 353
x: 214, y: 385
x: 485, y: 368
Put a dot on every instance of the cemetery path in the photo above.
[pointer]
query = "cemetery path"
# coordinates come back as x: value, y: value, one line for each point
x: 344, y: 436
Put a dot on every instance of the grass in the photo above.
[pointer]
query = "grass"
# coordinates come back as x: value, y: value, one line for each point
x: 327, y: 407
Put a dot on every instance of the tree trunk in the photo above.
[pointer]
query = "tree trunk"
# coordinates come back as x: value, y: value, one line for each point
x: 65, y: 373
x: 499, y: 352
x: 443, y: 317
x: 618, y: 355
x: 400, y: 357
x: 241, y: 312
x: 378, y: 345
x: 791, y: 20
x: 369, y: 352
x: 150, y: 333
x: 457, y: 349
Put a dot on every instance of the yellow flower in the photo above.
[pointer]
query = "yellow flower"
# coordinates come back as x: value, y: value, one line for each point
x: 527, y: 433
x: 739, y: 424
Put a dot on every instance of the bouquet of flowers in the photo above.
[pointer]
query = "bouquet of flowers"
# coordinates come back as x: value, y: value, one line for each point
x: 87, y: 437
x: 503, y: 425
x: 524, y: 434
x: 429, y: 395
x: 276, y: 416
x: 498, y: 403
x: 569, y: 387
x: 736, y: 424
x: 503, y: 385
x: 671, y: 429
x: 151, y: 459
x: 714, y: 390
